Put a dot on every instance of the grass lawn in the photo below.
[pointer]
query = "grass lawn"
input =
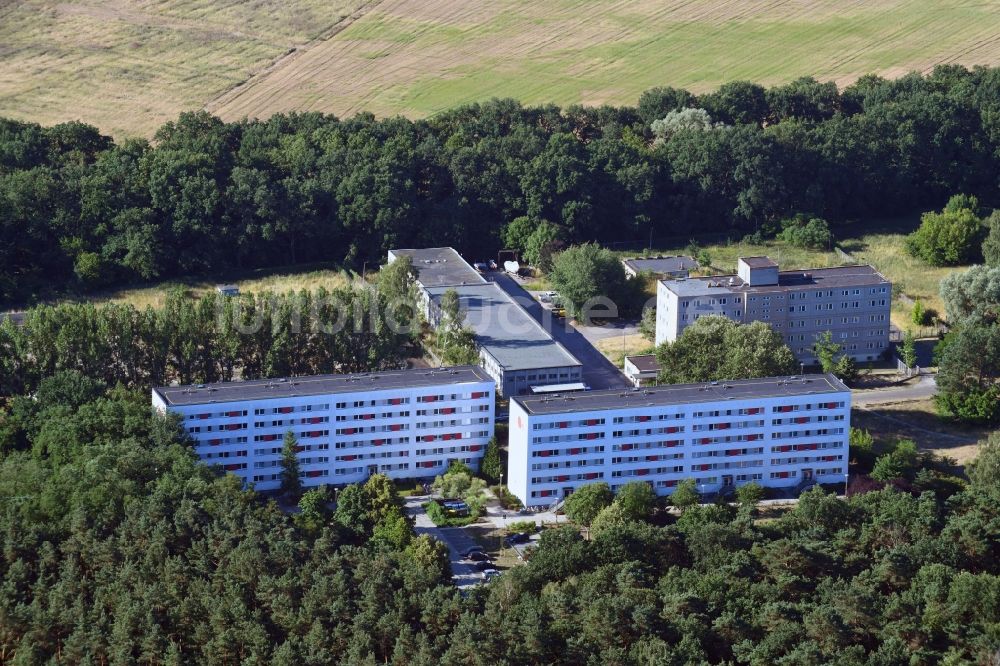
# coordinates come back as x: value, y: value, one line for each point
x: 278, y: 280
x: 633, y: 344
x: 918, y: 421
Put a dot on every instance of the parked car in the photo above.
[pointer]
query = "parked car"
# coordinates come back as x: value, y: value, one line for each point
x: 490, y: 574
x: 470, y: 550
x: 478, y: 556
x: 518, y: 537
x: 484, y: 565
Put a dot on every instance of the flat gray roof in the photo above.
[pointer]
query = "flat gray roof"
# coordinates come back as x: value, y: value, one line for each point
x: 644, y: 362
x: 679, y: 394
x: 505, y: 330
x: 291, y: 387
x: 810, y: 278
x: 661, y: 264
x: 440, y: 266
x: 759, y: 262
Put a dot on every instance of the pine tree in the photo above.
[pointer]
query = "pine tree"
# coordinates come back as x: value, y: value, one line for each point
x: 291, y: 484
x: 490, y: 468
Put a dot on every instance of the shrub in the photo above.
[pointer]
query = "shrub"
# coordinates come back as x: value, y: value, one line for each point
x: 440, y: 517
x: 522, y: 526
x: 813, y: 233
x: 508, y: 500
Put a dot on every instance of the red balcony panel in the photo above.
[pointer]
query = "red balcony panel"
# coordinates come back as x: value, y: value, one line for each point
x: 591, y: 435
x: 672, y: 429
x: 475, y: 447
x: 429, y: 438
x: 751, y: 438
x: 215, y: 442
x: 706, y: 440
x: 349, y: 431
x: 456, y: 435
x: 395, y: 401
x: 203, y: 416
x: 545, y: 493
x: 233, y: 467
x: 733, y: 452
x: 782, y: 475
x: 643, y: 418
x: 785, y: 408
x: 349, y: 457
x: 395, y: 426
x: 544, y: 454
x: 284, y: 410
x: 314, y: 472
x: 671, y: 483
x: 430, y: 398
x: 642, y: 472
x: 722, y: 426
x: 562, y: 479
x: 591, y: 475
x: 563, y: 424
x: 378, y: 442
x: 300, y: 449
x: 447, y: 410
x: 626, y: 447
x: 233, y: 426
x: 652, y: 458
x: 574, y: 452
x: 478, y: 394
x: 367, y: 417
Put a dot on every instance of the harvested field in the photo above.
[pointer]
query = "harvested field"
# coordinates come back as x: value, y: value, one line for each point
x: 417, y: 57
x: 129, y: 65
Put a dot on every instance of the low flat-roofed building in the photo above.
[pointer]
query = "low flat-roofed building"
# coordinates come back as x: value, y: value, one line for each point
x: 402, y: 423
x: 781, y: 432
x: 851, y: 302
x: 660, y: 267
x: 514, y: 348
x: 642, y: 369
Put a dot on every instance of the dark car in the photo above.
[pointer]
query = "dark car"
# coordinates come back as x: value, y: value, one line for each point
x: 478, y: 556
x: 519, y: 537
x: 470, y: 550
x: 484, y: 565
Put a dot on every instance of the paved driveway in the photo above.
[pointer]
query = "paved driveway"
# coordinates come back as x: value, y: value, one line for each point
x: 598, y: 371
x: 457, y: 540
x: 922, y: 389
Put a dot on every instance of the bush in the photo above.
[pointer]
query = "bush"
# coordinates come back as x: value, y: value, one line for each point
x: 813, y: 233
x: 522, y: 526
x: 949, y: 238
x: 440, y: 517
x: 508, y: 500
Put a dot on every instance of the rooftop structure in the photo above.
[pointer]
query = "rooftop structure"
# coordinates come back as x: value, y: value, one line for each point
x: 642, y: 369
x: 661, y: 267
x: 293, y: 387
x: 676, y: 394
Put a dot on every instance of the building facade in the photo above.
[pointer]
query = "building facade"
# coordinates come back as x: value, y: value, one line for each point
x: 514, y: 349
x: 851, y: 302
x: 781, y: 432
x: 401, y: 423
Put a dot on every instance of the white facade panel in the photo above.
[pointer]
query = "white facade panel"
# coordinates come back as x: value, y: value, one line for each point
x: 781, y: 441
x: 345, y: 437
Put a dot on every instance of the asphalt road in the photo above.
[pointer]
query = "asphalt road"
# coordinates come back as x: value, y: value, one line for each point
x: 598, y: 371
x: 922, y: 389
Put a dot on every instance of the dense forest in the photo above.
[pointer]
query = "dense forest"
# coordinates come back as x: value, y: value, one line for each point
x: 117, y: 546
x: 80, y: 211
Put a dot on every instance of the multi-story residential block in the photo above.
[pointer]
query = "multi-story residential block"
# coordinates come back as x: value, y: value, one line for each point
x: 514, y: 349
x: 851, y: 302
x: 782, y: 432
x: 402, y: 423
